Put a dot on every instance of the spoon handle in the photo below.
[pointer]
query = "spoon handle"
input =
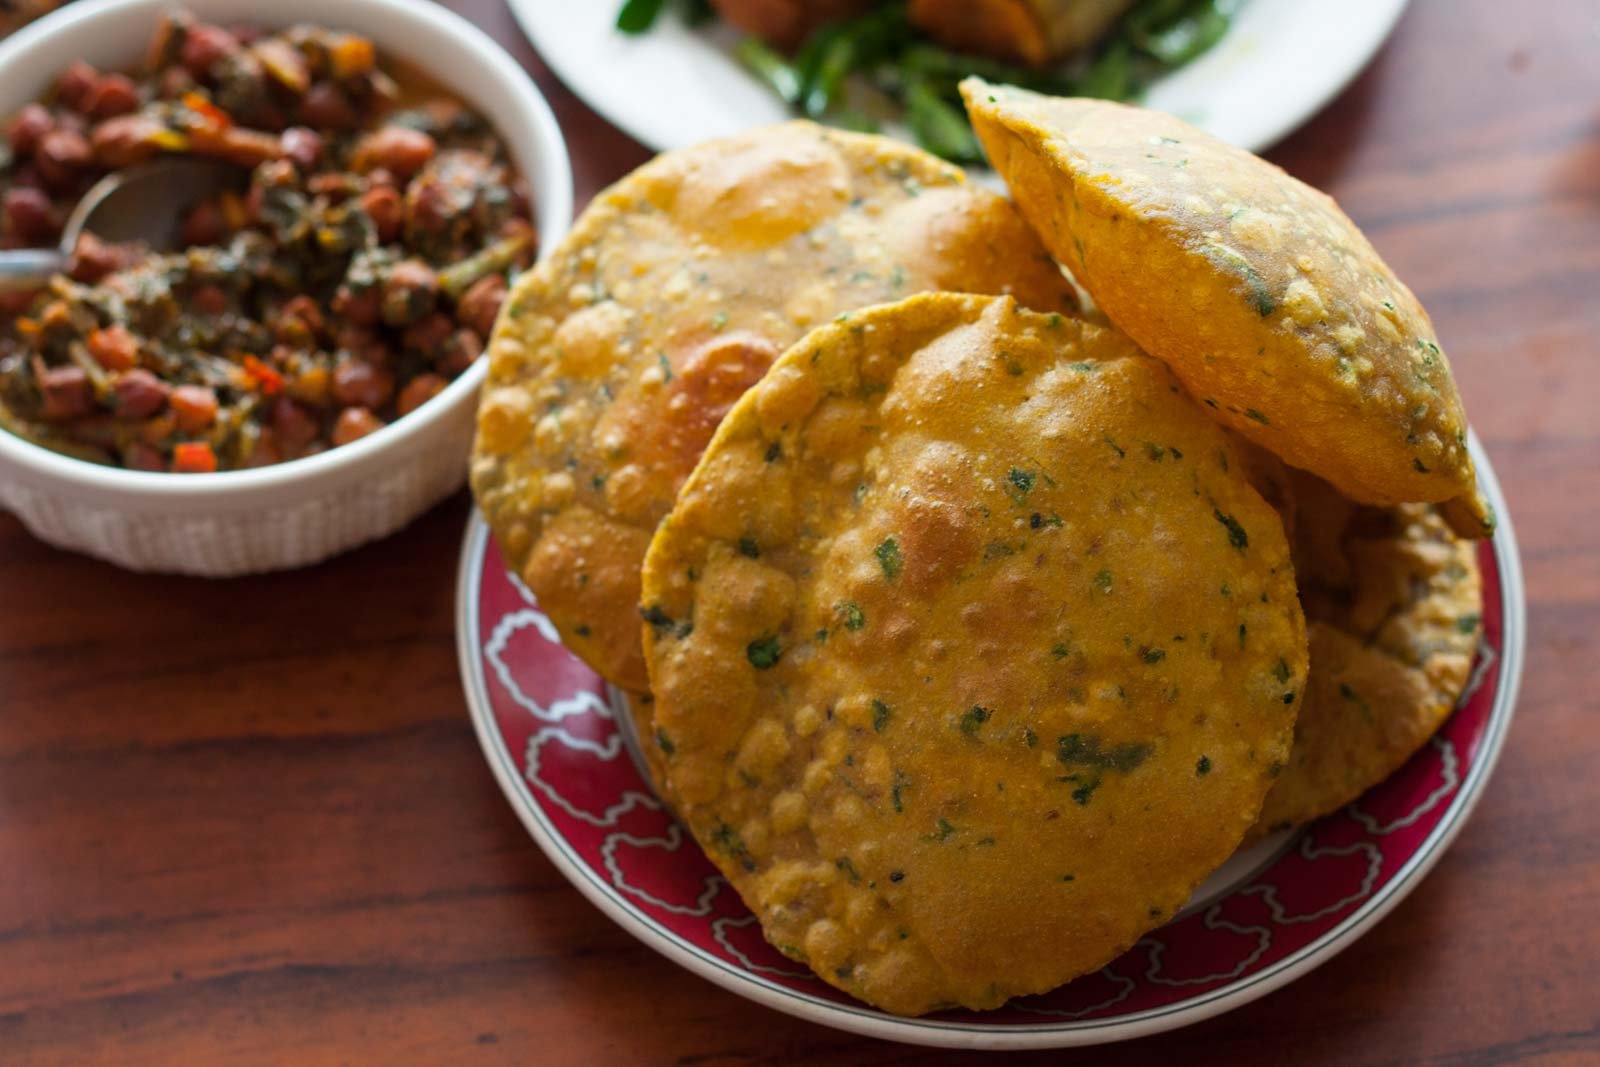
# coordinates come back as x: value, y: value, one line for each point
x: 29, y: 268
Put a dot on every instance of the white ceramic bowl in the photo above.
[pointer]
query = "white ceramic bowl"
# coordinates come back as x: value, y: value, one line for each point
x: 296, y: 513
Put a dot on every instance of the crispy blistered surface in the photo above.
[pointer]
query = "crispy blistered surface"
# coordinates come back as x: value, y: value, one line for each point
x: 1394, y: 604
x: 973, y: 650
x: 620, y: 353
x: 1267, y: 301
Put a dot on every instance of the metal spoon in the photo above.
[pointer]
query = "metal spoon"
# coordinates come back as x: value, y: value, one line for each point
x: 145, y: 204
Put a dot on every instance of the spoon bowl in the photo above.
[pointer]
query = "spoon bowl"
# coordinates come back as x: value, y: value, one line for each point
x: 144, y: 204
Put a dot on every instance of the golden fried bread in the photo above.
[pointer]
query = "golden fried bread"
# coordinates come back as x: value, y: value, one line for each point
x: 1393, y: 602
x: 1260, y: 293
x: 619, y: 354
x: 973, y: 650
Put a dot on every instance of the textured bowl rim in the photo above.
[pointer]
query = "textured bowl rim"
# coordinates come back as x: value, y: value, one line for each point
x: 553, y: 199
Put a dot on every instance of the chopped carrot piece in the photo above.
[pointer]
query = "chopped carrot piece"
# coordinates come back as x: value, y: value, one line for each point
x: 193, y: 457
x: 264, y: 379
x: 213, y: 114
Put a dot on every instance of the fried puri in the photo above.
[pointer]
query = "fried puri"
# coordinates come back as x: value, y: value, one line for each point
x: 619, y: 354
x: 1259, y: 292
x: 973, y: 650
x: 1393, y: 603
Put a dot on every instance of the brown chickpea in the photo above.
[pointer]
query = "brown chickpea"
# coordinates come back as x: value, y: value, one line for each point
x: 411, y: 292
x: 28, y: 127
x: 29, y: 216
x: 359, y: 383
x: 66, y: 391
x: 301, y: 146
x: 480, y: 304
x: 115, y: 94
x: 293, y: 426
x: 77, y: 85
x: 195, y: 407
x: 398, y: 149
x: 326, y: 107
x: 387, y: 211
x: 139, y: 394
x: 354, y: 424
x: 62, y: 156
x: 203, y: 46
x: 418, y: 391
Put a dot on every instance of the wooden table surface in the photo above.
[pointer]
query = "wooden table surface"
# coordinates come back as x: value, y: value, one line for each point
x: 248, y: 821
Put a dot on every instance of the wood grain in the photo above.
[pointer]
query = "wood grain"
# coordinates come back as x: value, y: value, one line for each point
x: 248, y: 822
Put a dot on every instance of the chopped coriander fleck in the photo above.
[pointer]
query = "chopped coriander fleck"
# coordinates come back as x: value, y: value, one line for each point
x: 973, y: 719
x: 1154, y: 451
x: 900, y: 782
x: 880, y: 715
x: 666, y: 366
x: 1236, y: 533
x: 1203, y: 768
x: 1280, y: 670
x: 748, y: 547
x: 763, y: 652
x: 843, y: 863
x: 889, y: 558
x: 1029, y: 738
x: 1466, y: 624
x: 1060, y: 651
x: 656, y: 617
x: 664, y: 742
x: 719, y: 320
x: 1420, y: 467
x: 1154, y: 655
x: 1102, y: 581
x: 1023, y: 480
x: 943, y: 831
x: 582, y: 629
x: 1114, y: 446
x: 851, y: 613
x: 1069, y: 877
x: 774, y: 452
x: 1252, y: 413
x: 1086, y: 750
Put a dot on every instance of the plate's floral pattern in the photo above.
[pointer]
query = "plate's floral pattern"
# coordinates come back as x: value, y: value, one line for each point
x: 554, y: 727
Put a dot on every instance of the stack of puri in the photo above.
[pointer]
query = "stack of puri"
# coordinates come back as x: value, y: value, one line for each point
x: 968, y: 632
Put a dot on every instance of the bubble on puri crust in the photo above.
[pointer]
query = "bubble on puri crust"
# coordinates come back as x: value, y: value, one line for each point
x: 788, y: 811
x: 765, y: 746
x: 806, y: 720
x: 586, y: 344
x: 817, y: 778
x: 827, y: 945
x: 503, y: 420
x: 787, y: 395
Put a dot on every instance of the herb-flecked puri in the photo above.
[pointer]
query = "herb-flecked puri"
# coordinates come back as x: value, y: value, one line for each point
x: 989, y: 785
x: 674, y: 292
x: 1261, y: 294
x: 1394, y: 603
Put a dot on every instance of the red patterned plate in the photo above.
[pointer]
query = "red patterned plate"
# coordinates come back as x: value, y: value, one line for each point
x: 553, y: 733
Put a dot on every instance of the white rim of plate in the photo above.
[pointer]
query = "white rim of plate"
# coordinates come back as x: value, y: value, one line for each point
x: 1297, y: 103
x: 869, y: 1022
